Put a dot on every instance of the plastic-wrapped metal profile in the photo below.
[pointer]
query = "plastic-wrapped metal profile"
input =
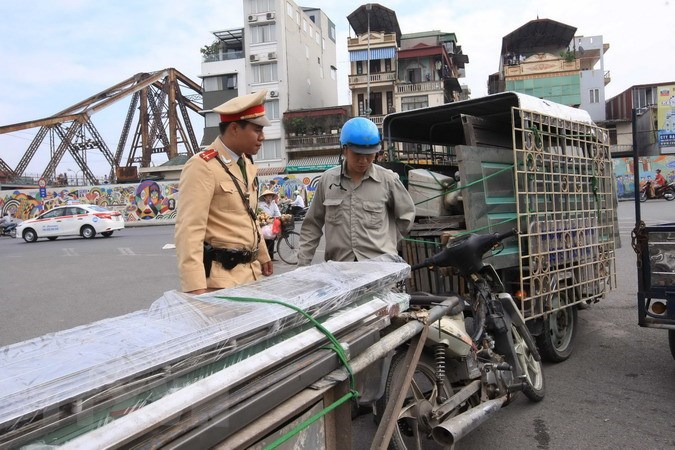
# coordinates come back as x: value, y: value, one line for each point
x: 41, y: 375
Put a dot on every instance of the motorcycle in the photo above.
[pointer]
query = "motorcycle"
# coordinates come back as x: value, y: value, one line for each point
x: 475, y: 359
x: 7, y: 228
x: 297, y: 212
x: 666, y: 191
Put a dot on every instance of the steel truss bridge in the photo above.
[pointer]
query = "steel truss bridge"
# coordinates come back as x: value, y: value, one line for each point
x: 157, y: 114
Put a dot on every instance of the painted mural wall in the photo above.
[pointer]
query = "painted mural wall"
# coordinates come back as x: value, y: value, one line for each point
x: 144, y: 203
x: 625, y: 178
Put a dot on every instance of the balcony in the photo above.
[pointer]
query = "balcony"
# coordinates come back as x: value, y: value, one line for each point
x: 222, y: 56
x: 380, y: 77
x: 608, y: 78
x: 312, y: 142
x: 377, y: 120
x: 546, y: 66
x: 375, y: 39
x: 427, y: 86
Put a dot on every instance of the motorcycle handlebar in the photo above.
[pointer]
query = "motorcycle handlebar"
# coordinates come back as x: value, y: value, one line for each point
x: 467, y: 249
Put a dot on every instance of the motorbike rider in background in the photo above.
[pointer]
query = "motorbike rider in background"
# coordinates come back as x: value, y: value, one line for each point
x: 659, y: 181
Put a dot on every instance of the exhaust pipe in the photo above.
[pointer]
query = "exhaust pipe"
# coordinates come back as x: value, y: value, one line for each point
x: 452, y: 430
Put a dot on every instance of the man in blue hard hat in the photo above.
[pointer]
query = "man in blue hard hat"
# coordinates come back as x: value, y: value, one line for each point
x: 362, y: 208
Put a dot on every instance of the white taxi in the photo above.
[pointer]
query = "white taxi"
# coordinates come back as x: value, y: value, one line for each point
x: 71, y: 220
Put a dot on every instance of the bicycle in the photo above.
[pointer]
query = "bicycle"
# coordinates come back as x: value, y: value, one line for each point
x: 288, y: 242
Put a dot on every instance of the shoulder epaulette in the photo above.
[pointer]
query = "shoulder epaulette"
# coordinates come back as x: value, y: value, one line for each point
x: 208, y: 155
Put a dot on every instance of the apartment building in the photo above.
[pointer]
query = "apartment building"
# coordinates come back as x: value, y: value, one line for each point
x: 545, y: 59
x: 283, y: 48
x: 392, y: 71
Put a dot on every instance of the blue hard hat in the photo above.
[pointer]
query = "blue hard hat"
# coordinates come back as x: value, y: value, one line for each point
x: 361, y: 135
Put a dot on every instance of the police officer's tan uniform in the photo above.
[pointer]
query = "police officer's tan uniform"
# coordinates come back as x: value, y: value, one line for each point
x: 211, y: 210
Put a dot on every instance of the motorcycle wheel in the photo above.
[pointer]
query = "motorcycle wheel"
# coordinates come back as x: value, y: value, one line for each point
x: 643, y: 196
x: 412, y: 430
x: 530, y: 367
x: 669, y: 194
x: 557, y: 339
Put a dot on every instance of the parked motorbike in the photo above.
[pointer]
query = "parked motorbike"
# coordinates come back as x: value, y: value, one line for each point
x: 476, y: 359
x: 7, y: 228
x: 666, y: 191
x: 297, y: 212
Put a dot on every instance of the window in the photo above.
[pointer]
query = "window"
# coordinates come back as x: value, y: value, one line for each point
x: 271, y: 149
x: 359, y: 67
x: 263, y: 33
x: 331, y: 32
x: 311, y: 32
x: 264, y: 73
x: 307, y: 51
x: 272, y: 109
x: 375, y: 66
x: 57, y: 212
x: 220, y: 83
x: 594, y: 96
x: 289, y: 10
x: 414, y: 102
x: 261, y: 6
x: 333, y: 72
x: 323, y: 43
x: 304, y: 24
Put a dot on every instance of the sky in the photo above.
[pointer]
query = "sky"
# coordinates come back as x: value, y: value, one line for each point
x: 55, y: 53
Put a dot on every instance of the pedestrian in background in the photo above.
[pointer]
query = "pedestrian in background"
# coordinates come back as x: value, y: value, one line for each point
x: 218, y: 239
x: 363, y: 208
x: 268, y: 205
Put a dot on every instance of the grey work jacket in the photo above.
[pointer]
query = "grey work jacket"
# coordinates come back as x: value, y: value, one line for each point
x: 360, y: 221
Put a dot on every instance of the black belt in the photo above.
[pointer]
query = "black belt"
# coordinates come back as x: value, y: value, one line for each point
x: 227, y: 257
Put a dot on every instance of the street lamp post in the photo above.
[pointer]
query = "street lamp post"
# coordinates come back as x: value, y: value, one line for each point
x: 77, y: 182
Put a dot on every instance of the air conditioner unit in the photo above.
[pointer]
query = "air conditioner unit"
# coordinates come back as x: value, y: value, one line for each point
x: 272, y: 55
x: 254, y: 58
x: 252, y: 18
x: 270, y: 16
x: 274, y: 94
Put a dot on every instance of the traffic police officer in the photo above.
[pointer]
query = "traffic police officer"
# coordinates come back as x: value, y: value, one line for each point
x: 218, y: 239
x: 363, y: 207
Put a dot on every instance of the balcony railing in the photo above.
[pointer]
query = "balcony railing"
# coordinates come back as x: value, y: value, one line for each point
x: 223, y: 56
x: 374, y: 78
x: 427, y: 86
x: 323, y: 140
x: 375, y: 38
x: 608, y: 78
x: 547, y: 66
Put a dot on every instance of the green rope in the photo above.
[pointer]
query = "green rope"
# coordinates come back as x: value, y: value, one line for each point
x: 336, y: 347
x: 475, y: 230
x: 301, y: 426
x: 480, y: 180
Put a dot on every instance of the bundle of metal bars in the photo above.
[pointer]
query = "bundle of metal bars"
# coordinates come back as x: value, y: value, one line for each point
x: 110, y: 367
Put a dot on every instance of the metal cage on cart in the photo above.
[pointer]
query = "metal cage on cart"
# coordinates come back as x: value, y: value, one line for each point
x: 522, y: 163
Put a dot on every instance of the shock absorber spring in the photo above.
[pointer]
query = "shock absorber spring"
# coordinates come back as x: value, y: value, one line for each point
x: 439, y: 356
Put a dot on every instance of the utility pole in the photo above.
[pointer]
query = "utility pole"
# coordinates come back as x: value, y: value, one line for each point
x: 369, y: 7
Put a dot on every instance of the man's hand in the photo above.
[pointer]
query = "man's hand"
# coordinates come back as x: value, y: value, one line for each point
x: 200, y: 291
x: 267, y: 268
